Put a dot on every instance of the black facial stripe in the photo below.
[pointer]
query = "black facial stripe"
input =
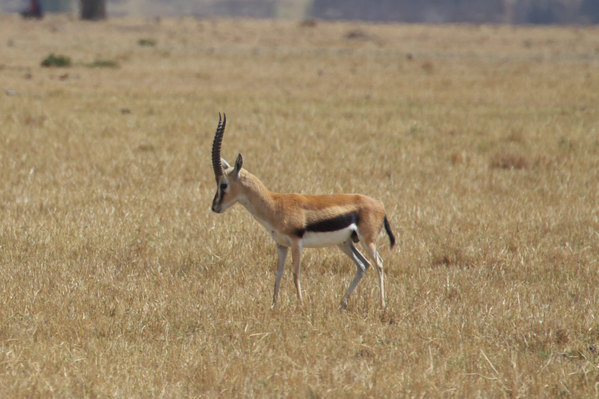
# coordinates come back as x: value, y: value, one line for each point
x: 332, y: 224
x: 216, y: 199
x: 220, y: 192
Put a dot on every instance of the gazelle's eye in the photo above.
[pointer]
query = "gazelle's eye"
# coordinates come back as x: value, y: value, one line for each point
x: 223, y: 186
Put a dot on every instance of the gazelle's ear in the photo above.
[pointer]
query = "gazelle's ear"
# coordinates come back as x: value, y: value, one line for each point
x: 238, y: 165
x: 225, y: 164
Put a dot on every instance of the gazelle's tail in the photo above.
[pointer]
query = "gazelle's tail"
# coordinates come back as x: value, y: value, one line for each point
x: 389, y: 232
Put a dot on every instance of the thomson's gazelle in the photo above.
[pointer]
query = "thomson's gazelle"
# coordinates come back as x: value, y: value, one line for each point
x: 297, y: 221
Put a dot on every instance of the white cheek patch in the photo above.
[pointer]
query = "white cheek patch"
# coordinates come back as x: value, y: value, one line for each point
x: 227, y: 205
x: 328, y: 238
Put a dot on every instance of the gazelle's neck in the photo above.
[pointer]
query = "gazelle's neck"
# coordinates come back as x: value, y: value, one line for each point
x: 257, y: 199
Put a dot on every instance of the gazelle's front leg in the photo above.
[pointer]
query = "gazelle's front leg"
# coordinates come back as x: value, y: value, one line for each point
x: 296, y: 252
x: 282, y: 255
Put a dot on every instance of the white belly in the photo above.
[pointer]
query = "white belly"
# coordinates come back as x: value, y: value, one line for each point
x: 328, y: 238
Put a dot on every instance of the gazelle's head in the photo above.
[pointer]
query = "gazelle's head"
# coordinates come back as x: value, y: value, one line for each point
x: 228, y: 191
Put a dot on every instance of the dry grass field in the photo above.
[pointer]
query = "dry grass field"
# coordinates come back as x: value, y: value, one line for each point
x: 116, y: 279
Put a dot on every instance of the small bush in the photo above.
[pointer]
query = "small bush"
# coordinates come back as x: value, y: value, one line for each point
x: 357, y: 34
x: 103, y: 64
x: 147, y: 42
x: 56, y: 61
x: 509, y: 161
x: 309, y: 23
x: 427, y: 67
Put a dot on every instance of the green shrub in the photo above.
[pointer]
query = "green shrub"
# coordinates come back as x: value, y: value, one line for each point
x: 103, y: 64
x: 146, y: 42
x: 56, y: 61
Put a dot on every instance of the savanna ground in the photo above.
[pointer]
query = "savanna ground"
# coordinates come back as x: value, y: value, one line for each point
x: 116, y: 280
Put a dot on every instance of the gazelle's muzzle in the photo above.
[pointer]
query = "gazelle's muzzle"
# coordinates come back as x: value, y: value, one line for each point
x: 216, y: 203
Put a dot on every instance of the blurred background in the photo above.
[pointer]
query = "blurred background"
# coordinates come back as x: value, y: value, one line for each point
x: 426, y: 11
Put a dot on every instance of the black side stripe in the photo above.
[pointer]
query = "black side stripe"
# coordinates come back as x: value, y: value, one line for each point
x: 332, y: 224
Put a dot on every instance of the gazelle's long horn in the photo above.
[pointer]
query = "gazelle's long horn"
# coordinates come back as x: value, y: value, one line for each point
x: 218, y: 139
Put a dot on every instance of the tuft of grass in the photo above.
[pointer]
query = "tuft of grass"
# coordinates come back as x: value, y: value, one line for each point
x: 509, y: 160
x: 145, y: 42
x: 427, y: 66
x: 357, y: 34
x: 103, y: 63
x: 56, y: 60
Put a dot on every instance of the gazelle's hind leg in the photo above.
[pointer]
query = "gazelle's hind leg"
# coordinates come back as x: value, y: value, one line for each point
x: 361, y: 265
x: 378, y: 261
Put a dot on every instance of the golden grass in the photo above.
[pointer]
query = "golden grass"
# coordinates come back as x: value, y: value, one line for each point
x: 117, y: 280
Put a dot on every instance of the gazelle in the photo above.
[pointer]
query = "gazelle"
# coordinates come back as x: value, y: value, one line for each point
x: 299, y: 221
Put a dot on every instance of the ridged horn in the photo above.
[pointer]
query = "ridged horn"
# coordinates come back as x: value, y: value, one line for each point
x: 218, y: 139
